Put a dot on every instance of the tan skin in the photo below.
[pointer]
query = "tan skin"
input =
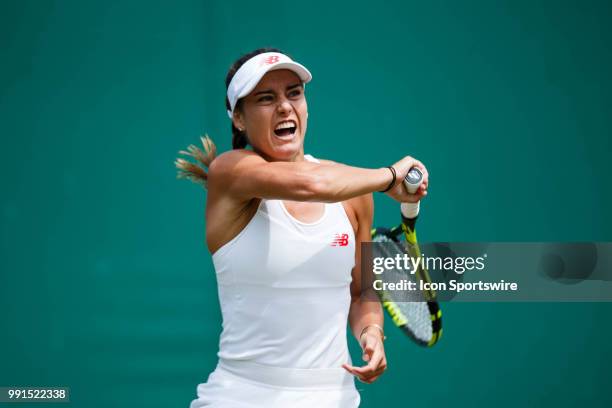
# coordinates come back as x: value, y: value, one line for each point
x: 276, y: 169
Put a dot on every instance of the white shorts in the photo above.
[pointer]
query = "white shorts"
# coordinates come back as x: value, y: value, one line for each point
x: 242, y: 384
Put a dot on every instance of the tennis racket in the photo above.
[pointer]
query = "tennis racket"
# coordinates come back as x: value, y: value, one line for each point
x: 416, y: 312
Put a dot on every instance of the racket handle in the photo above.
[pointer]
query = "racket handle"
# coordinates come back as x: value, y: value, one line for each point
x: 410, y: 210
x: 412, y: 181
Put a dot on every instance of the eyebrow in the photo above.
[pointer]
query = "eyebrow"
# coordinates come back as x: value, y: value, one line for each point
x: 270, y: 91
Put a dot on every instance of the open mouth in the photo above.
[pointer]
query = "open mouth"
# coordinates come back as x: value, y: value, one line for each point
x: 285, y: 128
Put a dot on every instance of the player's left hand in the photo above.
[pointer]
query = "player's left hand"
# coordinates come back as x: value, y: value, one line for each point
x: 374, y: 354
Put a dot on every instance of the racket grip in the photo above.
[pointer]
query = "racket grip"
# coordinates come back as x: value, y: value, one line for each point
x: 410, y: 210
x: 412, y: 181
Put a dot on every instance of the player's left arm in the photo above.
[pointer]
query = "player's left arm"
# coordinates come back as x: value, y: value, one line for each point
x: 365, y: 307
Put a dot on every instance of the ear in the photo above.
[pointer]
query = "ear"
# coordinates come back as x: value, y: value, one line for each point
x: 238, y: 120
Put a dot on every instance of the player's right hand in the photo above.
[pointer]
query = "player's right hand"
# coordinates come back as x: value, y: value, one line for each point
x: 398, y: 192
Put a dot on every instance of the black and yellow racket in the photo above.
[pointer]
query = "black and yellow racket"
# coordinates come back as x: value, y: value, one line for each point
x: 416, y: 312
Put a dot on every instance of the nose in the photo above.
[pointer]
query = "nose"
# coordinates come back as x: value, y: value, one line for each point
x: 284, y: 106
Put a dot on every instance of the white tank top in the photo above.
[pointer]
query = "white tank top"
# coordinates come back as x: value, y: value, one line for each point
x: 284, y: 288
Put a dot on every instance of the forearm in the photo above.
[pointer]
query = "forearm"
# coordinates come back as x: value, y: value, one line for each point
x: 364, y: 311
x: 338, y: 182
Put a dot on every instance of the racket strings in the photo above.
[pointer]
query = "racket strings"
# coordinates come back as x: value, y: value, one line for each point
x: 408, y: 308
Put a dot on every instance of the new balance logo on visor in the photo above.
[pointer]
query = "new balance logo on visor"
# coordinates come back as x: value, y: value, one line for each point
x: 271, y: 59
x: 340, y: 240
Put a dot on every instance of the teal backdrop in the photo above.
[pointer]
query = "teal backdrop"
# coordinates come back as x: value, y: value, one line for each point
x: 105, y: 283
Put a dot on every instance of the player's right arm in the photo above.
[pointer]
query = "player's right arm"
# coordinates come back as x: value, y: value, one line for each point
x: 244, y: 175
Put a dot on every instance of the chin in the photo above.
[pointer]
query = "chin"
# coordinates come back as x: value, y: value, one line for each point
x: 286, y: 150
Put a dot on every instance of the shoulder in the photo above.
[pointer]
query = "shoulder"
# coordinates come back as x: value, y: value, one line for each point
x: 363, y: 206
x: 325, y: 161
x: 232, y: 157
x: 228, y: 162
x: 360, y: 211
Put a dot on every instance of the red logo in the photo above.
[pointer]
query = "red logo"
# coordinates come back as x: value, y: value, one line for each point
x: 270, y: 59
x: 340, y: 240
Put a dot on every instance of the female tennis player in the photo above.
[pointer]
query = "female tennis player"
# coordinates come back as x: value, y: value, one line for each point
x: 284, y: 230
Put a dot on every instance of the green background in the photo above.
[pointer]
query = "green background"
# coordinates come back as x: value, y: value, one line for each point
x: 105, y: 282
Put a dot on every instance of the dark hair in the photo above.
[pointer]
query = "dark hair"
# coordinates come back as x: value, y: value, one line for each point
x: 239, y: 139
x: 204, y: 155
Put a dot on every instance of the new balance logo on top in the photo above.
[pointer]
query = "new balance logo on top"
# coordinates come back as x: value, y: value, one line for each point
x: 340, y: 240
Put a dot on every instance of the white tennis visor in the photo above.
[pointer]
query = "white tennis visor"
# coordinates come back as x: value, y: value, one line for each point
x: 250, y: 73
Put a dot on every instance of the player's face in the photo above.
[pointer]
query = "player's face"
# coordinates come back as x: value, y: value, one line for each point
x: 275, y: 116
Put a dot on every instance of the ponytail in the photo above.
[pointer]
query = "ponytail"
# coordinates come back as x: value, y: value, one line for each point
x: 203, y: 156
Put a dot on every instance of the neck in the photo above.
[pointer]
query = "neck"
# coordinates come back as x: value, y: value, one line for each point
x: 299, y: 156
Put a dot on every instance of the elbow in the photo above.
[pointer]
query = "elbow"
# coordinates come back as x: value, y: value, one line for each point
x: 314, y: 186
